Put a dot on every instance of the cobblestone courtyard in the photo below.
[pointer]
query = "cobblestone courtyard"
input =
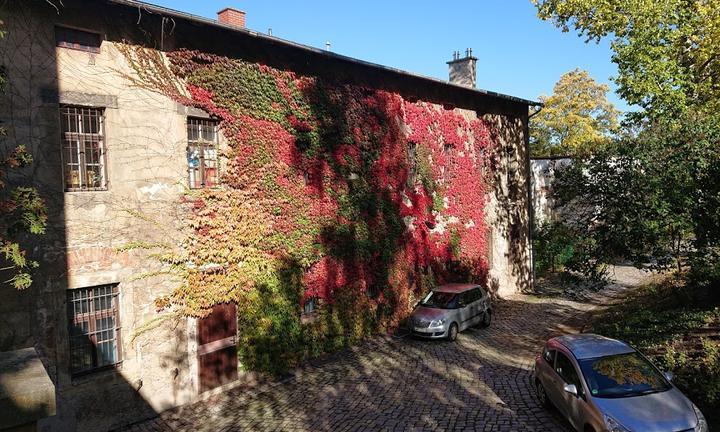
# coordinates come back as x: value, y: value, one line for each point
x: 481, y: 382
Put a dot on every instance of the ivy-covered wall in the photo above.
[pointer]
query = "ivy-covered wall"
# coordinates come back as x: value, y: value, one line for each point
x: 353, y: 196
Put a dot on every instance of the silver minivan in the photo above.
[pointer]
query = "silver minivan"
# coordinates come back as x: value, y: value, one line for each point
x: 450, y: 309
x: 602, y: 384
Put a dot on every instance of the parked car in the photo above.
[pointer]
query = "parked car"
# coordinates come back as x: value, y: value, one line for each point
x: 450, y: 309
x: 602, y: 384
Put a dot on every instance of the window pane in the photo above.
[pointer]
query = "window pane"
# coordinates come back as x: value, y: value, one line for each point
x: 83, y: 148
x: 193, y: 134
x: 92, y: 314
x: 202, y: 153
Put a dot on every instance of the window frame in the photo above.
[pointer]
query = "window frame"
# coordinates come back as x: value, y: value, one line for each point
x: 90, y: 316
x: 201, y: 145
x: 79, y: 138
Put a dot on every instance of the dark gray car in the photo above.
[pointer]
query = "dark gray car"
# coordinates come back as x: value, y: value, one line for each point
x: 602, y: 384
x: 449, y: 309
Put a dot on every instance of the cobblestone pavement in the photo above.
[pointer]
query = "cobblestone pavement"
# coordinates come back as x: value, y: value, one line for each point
x: 481, y: 382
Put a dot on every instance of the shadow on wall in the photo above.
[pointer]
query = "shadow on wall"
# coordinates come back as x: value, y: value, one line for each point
x: 38, y: 317
x: 514, y: 212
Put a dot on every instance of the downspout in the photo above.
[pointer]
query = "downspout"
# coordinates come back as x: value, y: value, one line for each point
x: 531, y: 210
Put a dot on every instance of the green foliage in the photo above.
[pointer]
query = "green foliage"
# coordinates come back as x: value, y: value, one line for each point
x: 645, y: 328
x: 654, y: 197
x: 22, y: 211
x: 274, y: 338
x: 655, y: 192
x: 553, y: 247
x: 667, y: 52
x: 576, y: 118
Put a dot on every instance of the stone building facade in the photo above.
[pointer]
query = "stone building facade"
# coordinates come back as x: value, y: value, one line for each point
x: 542, y: 175
x: 66, y: 75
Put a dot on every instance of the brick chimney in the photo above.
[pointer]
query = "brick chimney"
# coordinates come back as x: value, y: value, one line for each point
x: 232, y: 17
x: 463, y: 70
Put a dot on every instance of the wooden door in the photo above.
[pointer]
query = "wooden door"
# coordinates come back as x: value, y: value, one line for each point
x: 217, y: 347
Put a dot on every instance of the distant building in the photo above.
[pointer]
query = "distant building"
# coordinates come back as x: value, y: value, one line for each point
x: 107, y: 150
x: 542, y: 171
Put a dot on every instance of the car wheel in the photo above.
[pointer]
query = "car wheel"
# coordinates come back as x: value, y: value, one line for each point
x: 452, y: 332
x: 542, y: 396
x: 487, y: 318
x: 589, y: 428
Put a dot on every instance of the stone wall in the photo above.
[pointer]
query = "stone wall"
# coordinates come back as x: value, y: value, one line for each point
x: 542, y: 171
x: 145, y: 140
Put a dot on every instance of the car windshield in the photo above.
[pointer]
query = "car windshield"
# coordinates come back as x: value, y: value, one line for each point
x: 622, y: 375
x: 441, y: 300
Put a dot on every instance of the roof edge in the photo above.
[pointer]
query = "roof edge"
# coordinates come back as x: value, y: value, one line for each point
x: 148, y: 7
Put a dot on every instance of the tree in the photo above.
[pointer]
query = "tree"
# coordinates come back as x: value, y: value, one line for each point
x: 667, y: 52
x: 655, y: 193
x: 22, y: 211
x: 576, y: 118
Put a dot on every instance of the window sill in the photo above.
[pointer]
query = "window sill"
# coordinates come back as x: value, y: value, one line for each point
x: 86, y: 49
x: 80, y: 378
x: 87, y: 190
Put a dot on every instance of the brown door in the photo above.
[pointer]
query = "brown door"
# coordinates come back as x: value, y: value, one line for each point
x: 217, y: 347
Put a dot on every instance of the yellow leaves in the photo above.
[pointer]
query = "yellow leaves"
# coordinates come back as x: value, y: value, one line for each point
x: 576, y: 118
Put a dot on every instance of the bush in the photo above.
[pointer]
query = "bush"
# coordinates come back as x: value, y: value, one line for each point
x: 272, y: 337
x: 553, y: 247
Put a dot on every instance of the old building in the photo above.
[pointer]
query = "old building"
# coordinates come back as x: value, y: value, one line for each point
x: 542, y: 171
x: 117, y: 153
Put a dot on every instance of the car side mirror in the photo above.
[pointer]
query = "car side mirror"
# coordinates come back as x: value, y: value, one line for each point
x: 570, y: 388
x: 668, y: 376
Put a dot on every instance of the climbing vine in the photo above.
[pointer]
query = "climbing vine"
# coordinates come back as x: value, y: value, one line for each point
x: 355, y: 197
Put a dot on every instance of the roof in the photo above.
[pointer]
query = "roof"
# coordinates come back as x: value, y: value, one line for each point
x: 455, y: 287
x: 148, y: 7
x: 588, y: 345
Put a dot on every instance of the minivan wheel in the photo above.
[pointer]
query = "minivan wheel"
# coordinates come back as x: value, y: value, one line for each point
x: 452, y: 332
x: 487, y: 318
x: 542, y: 396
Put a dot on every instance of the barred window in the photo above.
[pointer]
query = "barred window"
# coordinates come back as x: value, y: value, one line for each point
x: 83, y: 148
x: 94, y: 328
x: 202, y: 153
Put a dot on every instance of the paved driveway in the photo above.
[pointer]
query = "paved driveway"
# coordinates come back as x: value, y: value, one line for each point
x: 479, y: 383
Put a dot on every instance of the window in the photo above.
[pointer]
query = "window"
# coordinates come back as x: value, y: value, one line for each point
x: 566, y: 370
x: 470, y: 296
x: 83, y: 148
x: 77, y: 39
x: 549, y: 355
x: 202, y: 153
x: 481, y: 293
x: 310, y: 305
x: 94, y: 328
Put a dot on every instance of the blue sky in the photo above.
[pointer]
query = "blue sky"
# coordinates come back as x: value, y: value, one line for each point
x: 518, y: 53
